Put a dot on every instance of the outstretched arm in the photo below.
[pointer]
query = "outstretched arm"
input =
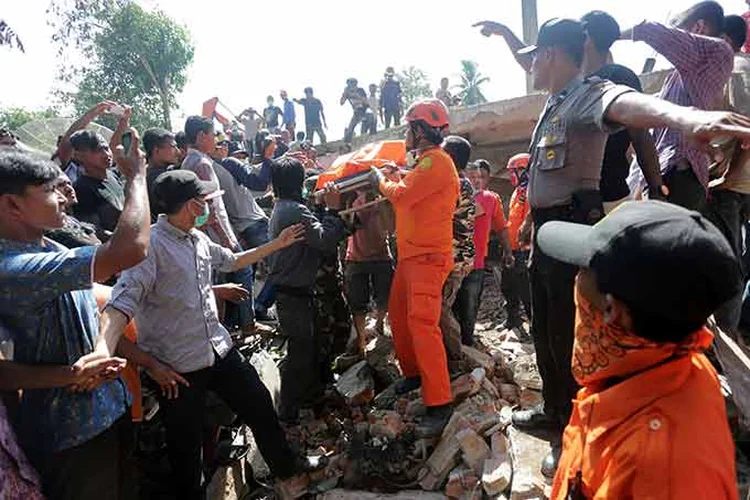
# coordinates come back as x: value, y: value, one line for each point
x: 515, y: 44
x: 636, y: 110
x: 648, y: 160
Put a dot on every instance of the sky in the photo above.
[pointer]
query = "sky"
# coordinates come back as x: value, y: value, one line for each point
x: 245, y: 52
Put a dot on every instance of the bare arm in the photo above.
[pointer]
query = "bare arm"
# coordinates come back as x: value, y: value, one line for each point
x: 288, y: 236
x: 636, y: 110
x: 15, y: 376
x: 166, y: 377
x: 514, y: 43
x: 129, y: 243
x: 64, y: 149
x: 648, y: 160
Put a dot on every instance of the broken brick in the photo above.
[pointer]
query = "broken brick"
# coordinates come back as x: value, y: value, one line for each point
x: 530, y: 398
x: 478, y: 359
x: 467, y: 385
x: 474, y: 448
x: 461, y: 483
x: 357, y: 385
x: 496, y: 476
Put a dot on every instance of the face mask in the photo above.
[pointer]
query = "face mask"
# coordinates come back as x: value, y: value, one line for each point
x: 411, y: 159
x: 201, y: 220
x: 604, y: 350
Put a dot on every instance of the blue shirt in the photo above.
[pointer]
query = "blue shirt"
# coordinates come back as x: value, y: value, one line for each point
x: 47, y: 303
x: 289, y: 113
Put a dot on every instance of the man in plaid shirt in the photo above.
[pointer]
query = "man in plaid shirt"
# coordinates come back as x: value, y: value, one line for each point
x: 703, y: 64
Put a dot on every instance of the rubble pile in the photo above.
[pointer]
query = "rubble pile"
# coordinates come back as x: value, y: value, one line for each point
x: 367, y: 432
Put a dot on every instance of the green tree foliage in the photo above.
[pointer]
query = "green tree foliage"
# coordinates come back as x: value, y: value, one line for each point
x: 9, y: 37
x: 137, y: 57
x: 14, y: 118
x: 471, y: 84
x: 414, y: 85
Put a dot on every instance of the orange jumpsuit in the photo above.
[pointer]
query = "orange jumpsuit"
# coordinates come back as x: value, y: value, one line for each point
x: 661, y: 433
x: 424, y: 202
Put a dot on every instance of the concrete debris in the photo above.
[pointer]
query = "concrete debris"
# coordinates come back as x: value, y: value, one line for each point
x: 357, y: 384
x: 526, y: 373
x: 530, y: 398
x: 528, y: 452
x: 364, y: 495
x: 462, y: 482
x: 379, y: 355
x: 367, y: 432
x: 478, y: 359
x: 496, y: 476
x: 474, y: 448
x: 387, y: 424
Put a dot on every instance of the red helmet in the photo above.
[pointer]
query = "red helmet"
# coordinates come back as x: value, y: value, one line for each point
x: 431, y: 111
x: 519, y: 161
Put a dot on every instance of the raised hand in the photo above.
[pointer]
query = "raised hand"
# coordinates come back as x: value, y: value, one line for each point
x: 130, y: 163
x: 291, y: 235
x: 490, y: 28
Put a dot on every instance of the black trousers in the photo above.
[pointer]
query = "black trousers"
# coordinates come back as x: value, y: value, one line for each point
x: 684, y: 188
x: 553, y: 313
x: 466, y: 306
x: 392, y: 115
x: 102, y: 467
x: 515, y: 285
x: 239, y: 386
x: 300, y: 373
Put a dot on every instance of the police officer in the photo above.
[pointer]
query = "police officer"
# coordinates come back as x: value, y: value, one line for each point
x: 567, y: 150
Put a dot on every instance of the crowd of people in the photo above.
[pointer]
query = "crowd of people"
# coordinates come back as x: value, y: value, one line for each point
x: 143, y: 251
x: 380, y: 104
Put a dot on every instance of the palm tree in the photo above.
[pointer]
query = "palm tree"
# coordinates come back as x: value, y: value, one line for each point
x: 9, y: 37
x: 471, y: 82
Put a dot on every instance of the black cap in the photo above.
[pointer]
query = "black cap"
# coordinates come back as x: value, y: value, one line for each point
x: 556, y: 32
x: 657, y: 257
x: 236, y: 147
x: 172, y: 189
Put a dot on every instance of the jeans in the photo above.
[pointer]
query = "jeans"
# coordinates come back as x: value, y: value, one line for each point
x: 311, y: 130
x: 394, y: 115
x: 102, y: 467
x: 515, y: 285
x: 466, y: 305
x: 254, y: 236
x: 299, y: 373
x: 359, y: 115
x: 239, y: 386
x: 725, y: 209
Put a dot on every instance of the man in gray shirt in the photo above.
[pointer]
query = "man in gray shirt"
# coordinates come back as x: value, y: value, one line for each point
x: 567, y: 150
x: 293, y: 272
x: 180, y: 338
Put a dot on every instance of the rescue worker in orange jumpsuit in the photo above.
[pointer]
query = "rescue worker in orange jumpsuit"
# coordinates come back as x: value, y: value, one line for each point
x: 424, y: 202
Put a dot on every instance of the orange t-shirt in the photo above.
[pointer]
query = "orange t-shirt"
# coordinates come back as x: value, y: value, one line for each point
x: 661, y: 434
x: 424, y: 202
x: 517, y: 212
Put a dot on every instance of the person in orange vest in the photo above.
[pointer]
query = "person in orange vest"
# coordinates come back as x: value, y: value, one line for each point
x: 649, y: 419
x: 424, y: 202
x: 516, y: 288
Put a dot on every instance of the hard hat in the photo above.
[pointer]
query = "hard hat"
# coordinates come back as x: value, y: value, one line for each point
x: 520, y: 160
x: 431, y: 111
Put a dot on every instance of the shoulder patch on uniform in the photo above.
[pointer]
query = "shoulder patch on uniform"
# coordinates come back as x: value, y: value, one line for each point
x: 425, y: 163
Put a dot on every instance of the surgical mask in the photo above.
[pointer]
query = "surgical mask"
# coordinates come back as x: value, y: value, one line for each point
x: 202, y: 219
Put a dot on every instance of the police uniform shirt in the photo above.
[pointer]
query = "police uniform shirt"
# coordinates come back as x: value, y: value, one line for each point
x: 567, y: 148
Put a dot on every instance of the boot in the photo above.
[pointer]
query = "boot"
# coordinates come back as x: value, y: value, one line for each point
x: 534, y: 418
x: 434, y: 421
x: 514, y: 321
x: 408, y: 384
